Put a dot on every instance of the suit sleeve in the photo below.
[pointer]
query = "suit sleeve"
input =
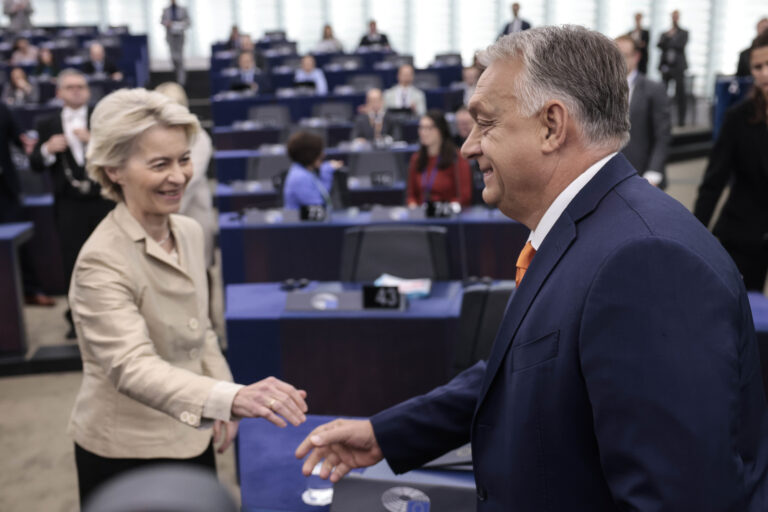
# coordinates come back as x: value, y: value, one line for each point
x: 104, y: 306
x: 719, y: 169
x: 36, y: 160
x: 421, y: 429
x: 661, y: 128
x: 668, y: 355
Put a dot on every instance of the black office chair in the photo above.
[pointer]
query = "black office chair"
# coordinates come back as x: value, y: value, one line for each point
x: 340, y: 189
x: 333, y: 111
x: 426, y: 80
x: 493, y: 312
x: 265, y: 167
x: 364, y: 82
x: 347, y: 61
x: 405, y: 251
x: 448, y: 59
x: 271, y: 115
x: 366, y: 163
x: 162, y: 488
x: 472, y: 306
x: 398, y: 60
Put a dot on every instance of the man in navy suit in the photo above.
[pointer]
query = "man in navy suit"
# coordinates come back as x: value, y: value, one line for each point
x: 625, y: 374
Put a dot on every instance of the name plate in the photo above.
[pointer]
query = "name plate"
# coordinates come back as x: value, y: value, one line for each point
x: 313, y: 212
x: 438, y: 209
x: 382, y: 297
x: 382, y: 179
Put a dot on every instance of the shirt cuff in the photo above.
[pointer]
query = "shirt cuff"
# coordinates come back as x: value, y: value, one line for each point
x: 218, y: 405
x: 48, y: 159
x: 653, y: 177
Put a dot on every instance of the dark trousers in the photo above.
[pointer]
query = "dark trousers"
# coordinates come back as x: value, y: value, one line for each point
x: 11, y: 211
x: 76, y: 218
x: 751, y: 258
x: 94, y: 470
x: 680, y: 100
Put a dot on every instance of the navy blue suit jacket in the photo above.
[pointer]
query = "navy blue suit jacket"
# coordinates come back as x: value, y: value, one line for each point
x: 624, y: 377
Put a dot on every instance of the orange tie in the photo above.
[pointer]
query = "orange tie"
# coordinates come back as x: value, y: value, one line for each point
x: 523, y: 261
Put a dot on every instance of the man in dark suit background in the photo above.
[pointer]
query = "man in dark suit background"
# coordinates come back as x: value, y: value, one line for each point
x: 642, y: 39
x: 649, y: 133
x: 743, y: 67
x: 374, y: 37
x: 98, y: 64
x: 517, y: 24
x: 673, y: 62
x: 60, y: 150
x: 10, y: 200
x: 372, y: 122
x: 625, y: 374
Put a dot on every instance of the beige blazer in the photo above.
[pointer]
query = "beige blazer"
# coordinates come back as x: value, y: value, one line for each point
x: 152, y: 367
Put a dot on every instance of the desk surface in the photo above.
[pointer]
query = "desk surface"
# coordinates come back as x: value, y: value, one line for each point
x: 16, y: 232
x: 270, y: 475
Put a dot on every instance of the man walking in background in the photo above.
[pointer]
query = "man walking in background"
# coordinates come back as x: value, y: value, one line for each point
x: 176, y: 21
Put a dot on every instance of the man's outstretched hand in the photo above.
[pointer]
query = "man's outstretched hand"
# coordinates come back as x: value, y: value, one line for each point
x: 342, y: 445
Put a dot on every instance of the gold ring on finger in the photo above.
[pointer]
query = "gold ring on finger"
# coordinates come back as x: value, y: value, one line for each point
x: 272, y: 403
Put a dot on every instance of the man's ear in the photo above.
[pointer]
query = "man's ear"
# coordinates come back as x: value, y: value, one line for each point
x: 554, y: 124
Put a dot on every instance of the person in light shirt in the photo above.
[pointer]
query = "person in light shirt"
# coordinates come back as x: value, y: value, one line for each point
x: 404, y: 95
x: 309, y: 72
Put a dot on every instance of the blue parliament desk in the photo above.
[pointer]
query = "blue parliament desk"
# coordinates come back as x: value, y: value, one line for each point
x: 270, y: 475
x: 481, y: 242
x: 729, y: 90
x: 227, y: 110
x: 247, y: 137
x: 13, y: 341
x: 256, y: 194
x: 232, y: 165
x: 349, y: 362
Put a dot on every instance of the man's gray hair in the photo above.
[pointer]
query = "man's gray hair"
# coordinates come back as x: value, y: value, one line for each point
x: 68, y: 72
x: 580, y: 67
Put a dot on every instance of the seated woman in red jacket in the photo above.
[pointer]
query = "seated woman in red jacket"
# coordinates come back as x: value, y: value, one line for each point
x: 437, y: 172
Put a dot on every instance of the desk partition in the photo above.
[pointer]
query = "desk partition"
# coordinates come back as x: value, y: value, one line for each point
x: 350, y: 362
x: 481, y: 242
x: 13, y: 340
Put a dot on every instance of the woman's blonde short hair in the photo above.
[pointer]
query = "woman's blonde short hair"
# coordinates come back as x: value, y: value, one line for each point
x: 173, y: 91
x: 118, y: 121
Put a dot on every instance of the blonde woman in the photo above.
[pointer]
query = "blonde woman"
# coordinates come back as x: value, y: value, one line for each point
x: 153, y: 375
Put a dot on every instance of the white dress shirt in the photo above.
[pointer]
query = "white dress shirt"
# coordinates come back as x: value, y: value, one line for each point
x: 71, y: 120
x: 562, y: 201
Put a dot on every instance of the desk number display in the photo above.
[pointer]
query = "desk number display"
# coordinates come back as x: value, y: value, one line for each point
x: 313, y: 212
x: 382, y: 179
x: 381, y: 297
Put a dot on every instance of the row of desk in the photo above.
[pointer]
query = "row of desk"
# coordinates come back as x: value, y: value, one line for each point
x: 481, y: 242
x: 232, y: 107
x: 281, y: 78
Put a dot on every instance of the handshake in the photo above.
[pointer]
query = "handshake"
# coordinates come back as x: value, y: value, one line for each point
x: 342, y: 445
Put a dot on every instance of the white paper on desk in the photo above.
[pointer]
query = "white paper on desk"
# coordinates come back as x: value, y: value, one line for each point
x: 411, y: 288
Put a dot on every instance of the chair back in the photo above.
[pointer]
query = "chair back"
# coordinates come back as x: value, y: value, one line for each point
x: 405, y: 251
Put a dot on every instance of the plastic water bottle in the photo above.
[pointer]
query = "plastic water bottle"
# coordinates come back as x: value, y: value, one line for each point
x: 319, y: 492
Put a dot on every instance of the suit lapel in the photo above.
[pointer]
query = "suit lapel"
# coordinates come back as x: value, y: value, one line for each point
x: 131, y: 226
x: 552, y: 250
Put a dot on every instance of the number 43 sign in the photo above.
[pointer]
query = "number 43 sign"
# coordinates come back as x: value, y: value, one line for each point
x: 382, y: 297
